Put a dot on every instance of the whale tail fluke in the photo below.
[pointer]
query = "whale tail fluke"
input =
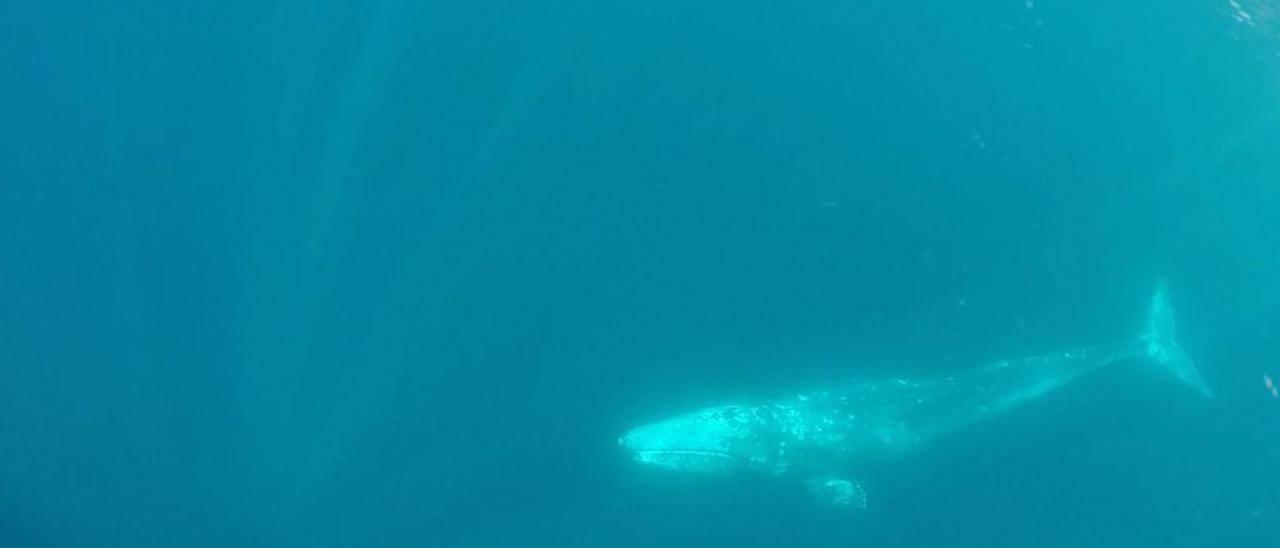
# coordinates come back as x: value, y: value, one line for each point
x: 1160, y: 343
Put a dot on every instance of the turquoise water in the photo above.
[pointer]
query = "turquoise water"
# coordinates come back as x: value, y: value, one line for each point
x: 398, y: 274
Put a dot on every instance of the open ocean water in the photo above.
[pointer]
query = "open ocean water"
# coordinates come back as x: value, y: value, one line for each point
x: 392, y: 273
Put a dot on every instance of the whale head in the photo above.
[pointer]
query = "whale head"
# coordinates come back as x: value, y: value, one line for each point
x: 720, y: 439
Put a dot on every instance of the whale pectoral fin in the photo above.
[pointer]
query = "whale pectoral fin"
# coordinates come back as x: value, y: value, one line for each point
x: 838, y: 492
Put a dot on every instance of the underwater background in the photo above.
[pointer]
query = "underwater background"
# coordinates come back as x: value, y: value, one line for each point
x: 391, y: 273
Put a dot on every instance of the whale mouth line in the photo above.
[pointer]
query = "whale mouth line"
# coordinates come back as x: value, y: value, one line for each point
x: 646, y: 453
x: 658, y: 456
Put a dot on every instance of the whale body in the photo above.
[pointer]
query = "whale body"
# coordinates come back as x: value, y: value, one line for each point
x: 817, y: 435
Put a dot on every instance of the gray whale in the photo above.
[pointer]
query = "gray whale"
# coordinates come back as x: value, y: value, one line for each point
x: 818, y: 434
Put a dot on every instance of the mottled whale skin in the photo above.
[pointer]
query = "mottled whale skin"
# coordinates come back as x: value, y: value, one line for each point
x: 818, y: 435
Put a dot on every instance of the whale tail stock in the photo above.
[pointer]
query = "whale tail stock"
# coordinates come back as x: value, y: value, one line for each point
x: 1160, y: 344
